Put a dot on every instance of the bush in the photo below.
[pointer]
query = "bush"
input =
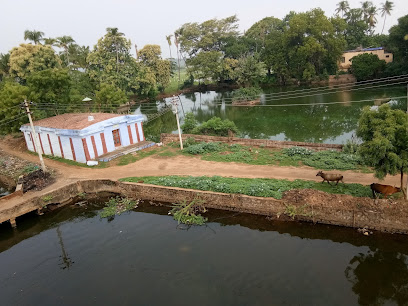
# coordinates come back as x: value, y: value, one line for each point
x: 297, y: 151
x: 246, y: 94
x: 204, y: 147
x: 216, y: 127
x: 189, y: 123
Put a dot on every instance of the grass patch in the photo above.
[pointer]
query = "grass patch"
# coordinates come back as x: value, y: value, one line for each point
x: 253, y: 187
x: 134, y: 157
x: 295, y: 156
x: 116, y: 206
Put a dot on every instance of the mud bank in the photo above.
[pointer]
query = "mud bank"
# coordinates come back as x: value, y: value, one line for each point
x: 302, y: 205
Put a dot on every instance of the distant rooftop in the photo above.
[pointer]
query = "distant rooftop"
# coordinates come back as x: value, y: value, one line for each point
x: 365, y: 49
x: 73, y: 121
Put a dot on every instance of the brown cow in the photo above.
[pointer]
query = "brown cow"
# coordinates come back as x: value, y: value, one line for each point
x: 386, y: 190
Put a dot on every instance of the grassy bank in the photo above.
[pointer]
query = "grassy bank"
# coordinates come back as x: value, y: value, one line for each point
x: 295, y: 156
x: 253, y: 187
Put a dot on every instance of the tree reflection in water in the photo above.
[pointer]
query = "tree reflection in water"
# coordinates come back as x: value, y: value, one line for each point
x: 378, y: 277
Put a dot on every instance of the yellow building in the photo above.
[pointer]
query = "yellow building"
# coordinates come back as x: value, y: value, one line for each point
x: 346, y: 59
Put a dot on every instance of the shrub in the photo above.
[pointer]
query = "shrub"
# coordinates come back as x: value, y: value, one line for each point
x: 246, y: 93
x: 189, y: 123
x: 297, y: 151
x: 204, y: 147
x: 216, y: 127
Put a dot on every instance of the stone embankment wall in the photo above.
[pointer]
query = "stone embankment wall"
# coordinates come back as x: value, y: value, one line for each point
x: 376, y: 216
x: 168, y: 138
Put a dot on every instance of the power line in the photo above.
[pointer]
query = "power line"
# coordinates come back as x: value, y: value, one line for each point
x: 325, y: 93
x: 312, y: 104
x: 380, y: 80
x: 5, y: 123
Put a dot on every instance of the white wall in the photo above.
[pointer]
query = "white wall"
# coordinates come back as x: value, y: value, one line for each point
x: 79, y: 149
x: 55, y: 145
x: 133, y: 129
x: 45, y: 144
x: 66, y: 147
x: 139, y: 126
x: 30, y: 145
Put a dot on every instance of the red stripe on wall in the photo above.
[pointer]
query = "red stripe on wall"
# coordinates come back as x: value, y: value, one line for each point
x: 62, y: 151
x: 72, y: 149
x: 85, y: 145
x: 141, y: 124
x: 42, y: 149
x: 94, y: 146
x: 105, y: 150
x: 32, y: 140
x: 130, y: 134
x: 49, y: 141
x: 137, y: 133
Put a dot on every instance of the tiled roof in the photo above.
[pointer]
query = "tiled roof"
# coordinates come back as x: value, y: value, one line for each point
x: 73, y: 121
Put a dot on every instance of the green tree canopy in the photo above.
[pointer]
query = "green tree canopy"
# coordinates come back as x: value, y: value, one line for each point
x: 11, y: 96
x: 150, y: 56
x: 109, y: 97
x: 385, y: 140
x: 29, y: 58
x: 367, y: 66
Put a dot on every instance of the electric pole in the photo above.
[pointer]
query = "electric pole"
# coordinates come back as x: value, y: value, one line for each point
x: 35, y: 136
x: 174, y: 107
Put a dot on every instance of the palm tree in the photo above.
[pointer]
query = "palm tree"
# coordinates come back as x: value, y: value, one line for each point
x: 115, y: 34
x: 386, y: 9
x: 34, y: 36
x: 371, y: 19
x: 50, y: 41
x: 176, y: 43
x: 64, y: 42
x: 365, y: 6
x: 343, y: 7
x: 169, y: 42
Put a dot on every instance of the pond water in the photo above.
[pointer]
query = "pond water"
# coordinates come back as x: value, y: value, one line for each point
x: 3, y: 191
x: 274, y: 119
x: 73, y: 257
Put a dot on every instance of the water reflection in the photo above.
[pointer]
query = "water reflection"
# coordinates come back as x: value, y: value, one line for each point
x: 379, y: 277
x: 313, y: 122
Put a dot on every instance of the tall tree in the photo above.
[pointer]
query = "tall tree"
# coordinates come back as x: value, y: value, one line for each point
x: 28, y: 58
x: 168, y: 38
x: 365, y: 6
x: 176, y: 43
x: 4, y: 65
x: 150, y: 56
x: 386, y: 9
x: 116, y: 35
x: 64, y: 42
x: 34, y: 36
x: 342, y: 7
x: 385, y: 141
x: 371, y: 18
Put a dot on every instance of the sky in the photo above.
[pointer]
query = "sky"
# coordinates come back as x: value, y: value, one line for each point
x: 147, y: 22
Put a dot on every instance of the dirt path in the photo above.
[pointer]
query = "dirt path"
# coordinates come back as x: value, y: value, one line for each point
x: 183, y: 165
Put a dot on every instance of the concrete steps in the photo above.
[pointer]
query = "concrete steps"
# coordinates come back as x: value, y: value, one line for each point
x: 126, y: 150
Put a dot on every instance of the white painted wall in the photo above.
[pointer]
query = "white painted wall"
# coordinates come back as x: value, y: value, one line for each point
x: 55, y: 144
x: 66, y: 147
x: 90, y: 147
x: 79, y: 149
x: 124, y: 135
x: 98, y: 142
x: 30, y: 145
x: 139, y: 127
x: 45, y: 144
x: 133, y: 130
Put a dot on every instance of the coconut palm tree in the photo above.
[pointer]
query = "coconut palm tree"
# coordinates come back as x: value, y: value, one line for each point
x: 365, y: 6
x: 34, y: 36
x: 168, y: 37
x: 50, y: 41
x: 386, y: 9
x: 343, y: 7
x: 371, y: 19
x: 176, y: 43
x: 64, y: 42
x: 115, y: 34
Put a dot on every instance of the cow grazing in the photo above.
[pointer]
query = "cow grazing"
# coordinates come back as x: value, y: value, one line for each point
x: 386, y: 190
x: 330, y: 177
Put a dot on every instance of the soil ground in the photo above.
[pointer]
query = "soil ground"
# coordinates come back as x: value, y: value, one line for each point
x: 183, y: 165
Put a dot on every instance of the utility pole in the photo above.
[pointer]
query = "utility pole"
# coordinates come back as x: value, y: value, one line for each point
x: 35, y: 136
x: 174, y: 107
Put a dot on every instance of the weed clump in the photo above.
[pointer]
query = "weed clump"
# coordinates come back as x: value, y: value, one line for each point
x: 188, y: 213
x: 117, y: 206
